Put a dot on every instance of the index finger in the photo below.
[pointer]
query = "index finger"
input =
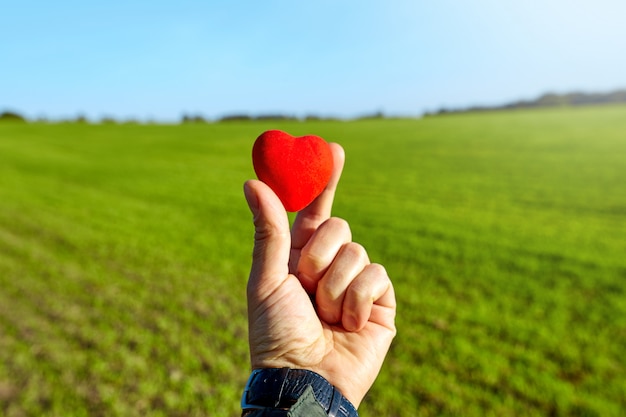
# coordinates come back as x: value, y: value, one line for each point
x: 311, y: 217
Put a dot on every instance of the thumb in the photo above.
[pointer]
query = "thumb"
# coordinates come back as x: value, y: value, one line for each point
x: 272, y: 241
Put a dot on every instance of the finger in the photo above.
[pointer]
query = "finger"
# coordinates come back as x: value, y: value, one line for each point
x: 370, y: 289
x: 320, y: 251
x: 271, y: 239
x: 308, y: 219
x: 331, y: 289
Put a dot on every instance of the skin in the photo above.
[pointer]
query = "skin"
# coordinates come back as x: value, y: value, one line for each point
x: 315, y: 301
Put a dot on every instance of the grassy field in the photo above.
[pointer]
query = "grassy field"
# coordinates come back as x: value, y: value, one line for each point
x: 124, y: 252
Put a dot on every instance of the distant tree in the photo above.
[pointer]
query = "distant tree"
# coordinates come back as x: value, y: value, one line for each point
x: 618, y: 96
x: 9, y: 116
x: 108, y: 120
x: 275, y: 117
x: 551, y: 99
x: 81, y: 118
x: 315, y: 118
x: 376, y: 115
x: 235, y: 118
x: 193, y: 119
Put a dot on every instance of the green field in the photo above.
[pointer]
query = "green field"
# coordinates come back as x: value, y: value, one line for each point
x: 124, y: 252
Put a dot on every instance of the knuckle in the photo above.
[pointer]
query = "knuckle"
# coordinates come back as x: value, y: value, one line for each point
x: 337, y: 223
x: 378, y: 270
x: 360, y: 291
x: 355, y: 251
x: 329, y: 290
x: 311, y: 260
x: 380, y: 273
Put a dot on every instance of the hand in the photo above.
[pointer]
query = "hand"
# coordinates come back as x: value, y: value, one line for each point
x: 314, y: 299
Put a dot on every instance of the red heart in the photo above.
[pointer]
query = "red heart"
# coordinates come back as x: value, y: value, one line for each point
x: 296, y: 168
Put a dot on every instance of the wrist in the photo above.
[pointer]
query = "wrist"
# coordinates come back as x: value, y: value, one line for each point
x: 282, y: 387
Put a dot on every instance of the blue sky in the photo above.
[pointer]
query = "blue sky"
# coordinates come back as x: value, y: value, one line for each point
x: 158, y: 60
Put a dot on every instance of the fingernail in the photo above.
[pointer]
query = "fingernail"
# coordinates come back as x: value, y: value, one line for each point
x: 251, y: 198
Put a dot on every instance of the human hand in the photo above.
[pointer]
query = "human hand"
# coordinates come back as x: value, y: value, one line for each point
x: 315, y: 301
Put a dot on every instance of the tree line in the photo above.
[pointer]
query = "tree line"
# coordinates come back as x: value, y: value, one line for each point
x: 547, y: 100
x: 13, y: 116
x: 544, y: 100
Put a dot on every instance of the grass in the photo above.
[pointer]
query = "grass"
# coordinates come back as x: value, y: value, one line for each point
x: 124, y: 252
